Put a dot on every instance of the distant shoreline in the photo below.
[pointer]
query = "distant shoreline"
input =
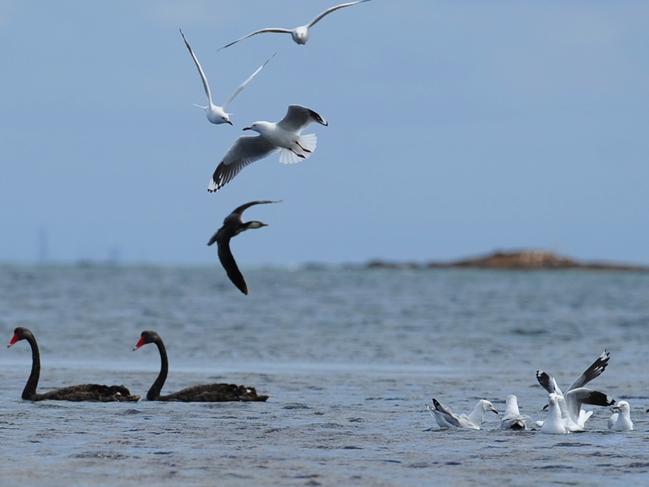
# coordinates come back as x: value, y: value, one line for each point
x: 511, y: 260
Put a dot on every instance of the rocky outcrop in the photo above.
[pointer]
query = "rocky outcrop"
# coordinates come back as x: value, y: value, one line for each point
x: 512, y: 260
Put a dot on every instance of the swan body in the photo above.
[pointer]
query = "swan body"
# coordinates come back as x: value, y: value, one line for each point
x: 199, y: 393
x: 82, y: 392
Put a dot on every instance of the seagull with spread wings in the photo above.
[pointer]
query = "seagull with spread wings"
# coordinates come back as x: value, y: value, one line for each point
x: 215, y: 113
x: 233, y: 226
x: 283, y: 135
x: 570, y: 403
x: 299, y: 34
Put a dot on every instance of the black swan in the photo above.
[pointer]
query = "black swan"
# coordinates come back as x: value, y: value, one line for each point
x: 233, y: 226
x: 82, y: 392
x: 201, y: 393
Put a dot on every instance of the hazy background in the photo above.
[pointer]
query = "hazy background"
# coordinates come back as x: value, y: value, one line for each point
x: 455, y: 127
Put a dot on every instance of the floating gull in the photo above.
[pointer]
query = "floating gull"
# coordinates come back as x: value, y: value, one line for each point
x: 554, y: 423
x: 284, y: 135
x: 570, y: 403
x: 217, y: 114
x: 512, y: 419
x: 233, y: 226
x: 447, y: 419
x: 300, y: 34
x: 620, y: 420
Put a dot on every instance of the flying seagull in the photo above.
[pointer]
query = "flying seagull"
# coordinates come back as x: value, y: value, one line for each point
x: 446, y: 418
x: 218, y: 114
x: 299, y: 34
x: 284, y: 135
x: 233, y: 226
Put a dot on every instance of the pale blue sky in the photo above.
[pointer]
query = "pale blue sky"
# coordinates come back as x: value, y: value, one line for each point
x: 456, y: 127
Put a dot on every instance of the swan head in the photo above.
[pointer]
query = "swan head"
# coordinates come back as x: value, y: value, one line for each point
x: 487, y: 406
x: 147, y: 336
x: 20, y: 333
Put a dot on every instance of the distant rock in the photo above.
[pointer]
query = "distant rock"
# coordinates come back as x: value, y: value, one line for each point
x: 511, y: 260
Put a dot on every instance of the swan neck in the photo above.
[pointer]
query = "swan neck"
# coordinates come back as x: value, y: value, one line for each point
x: 30, y: 388
x: 154, y: 391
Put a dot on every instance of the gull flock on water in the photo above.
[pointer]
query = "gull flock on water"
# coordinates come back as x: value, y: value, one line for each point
x: 565, y: 412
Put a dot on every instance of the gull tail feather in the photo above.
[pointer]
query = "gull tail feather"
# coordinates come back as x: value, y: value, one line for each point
x: 305, y: 146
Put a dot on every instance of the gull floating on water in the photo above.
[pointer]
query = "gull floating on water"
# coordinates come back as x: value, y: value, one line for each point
x: 554, y: 423
x: 233, y: 226
x: 512, y: 419
x: 218, y: 114
x: 299, y: 34
x: 447, y: 419
x: 620, y: 420
x: 284, y: 135
x: 570, y: 404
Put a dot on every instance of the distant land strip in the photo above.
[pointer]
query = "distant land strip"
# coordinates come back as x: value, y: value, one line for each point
x: 511, y: 260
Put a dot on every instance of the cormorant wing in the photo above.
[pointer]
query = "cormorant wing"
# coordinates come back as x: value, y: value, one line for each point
x: 230, y: 266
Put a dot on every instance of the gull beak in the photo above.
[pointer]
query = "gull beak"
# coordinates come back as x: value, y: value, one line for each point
x: 246, y: 128
x: 615, y: 409
x: 545, y: 408
x: 228, y: 122
x: 494, y: 411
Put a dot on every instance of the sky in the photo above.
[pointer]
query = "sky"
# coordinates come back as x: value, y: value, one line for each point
x: 455, y: 128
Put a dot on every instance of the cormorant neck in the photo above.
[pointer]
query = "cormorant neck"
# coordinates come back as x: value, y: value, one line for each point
x: 30, y: 388
x: 154, y: 391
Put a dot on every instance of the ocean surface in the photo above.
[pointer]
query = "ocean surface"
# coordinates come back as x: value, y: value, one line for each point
x: 350, y: 358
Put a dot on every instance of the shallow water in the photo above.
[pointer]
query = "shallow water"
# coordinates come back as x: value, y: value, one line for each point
x: 349, y: 358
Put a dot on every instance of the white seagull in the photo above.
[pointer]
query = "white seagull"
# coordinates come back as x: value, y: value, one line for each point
x: 570, y: 403
x: 215, y: 113
x: 448, y: 419
x: 554, y: 423
x: 299, y: 34
x: 620, y: 420
x: 512, y: 419
x: 283, y: 135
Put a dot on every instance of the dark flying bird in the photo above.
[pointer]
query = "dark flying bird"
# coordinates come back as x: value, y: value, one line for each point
x: 233, y: 226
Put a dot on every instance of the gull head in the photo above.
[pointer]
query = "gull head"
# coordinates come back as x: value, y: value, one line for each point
x: 226, y: 119
x: 553, y: 401
x: 300, y: 35
x: 621, y: 407
x: 217, y: 115
x: 259, y: 127
x: 487, y: 406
